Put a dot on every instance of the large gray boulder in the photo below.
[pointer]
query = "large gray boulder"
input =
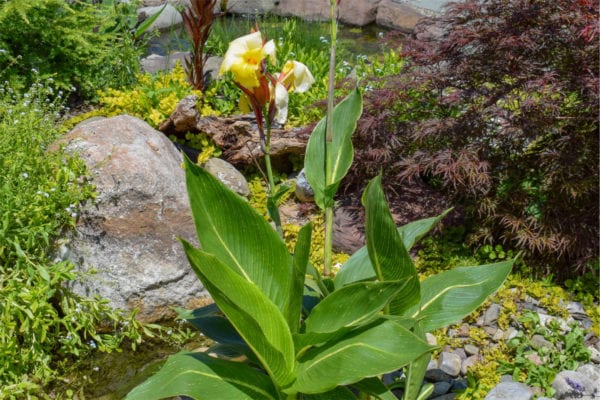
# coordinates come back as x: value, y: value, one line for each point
x: 129, y: 233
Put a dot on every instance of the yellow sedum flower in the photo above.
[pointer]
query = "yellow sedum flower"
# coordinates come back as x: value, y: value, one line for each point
x: 296, y: 76
x: 244, y: 57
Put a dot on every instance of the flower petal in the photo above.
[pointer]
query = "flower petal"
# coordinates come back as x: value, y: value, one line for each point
x: 281, y: 103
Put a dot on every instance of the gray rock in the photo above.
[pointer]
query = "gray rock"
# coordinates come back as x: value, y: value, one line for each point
x: 460, y: 352
x: 510, y: 391
x: 449, y: 363
x: 351, y: 12
x: 168, y: 19
x: 231, y: 177
x: 594, y: 355
x: 546, y: 319
x: 252, y: 7
x: 490, y: 317
x: 435, y: 374
x: 540, y: 342
x: 468, y: 363
x: 447, y: 396
x: 572, y: 384
x: 304, y: 192
x: 592, y: 372
x: 440, y: 388
x: 129, y: 234
x: 576, y: 310
x: 471, y: 349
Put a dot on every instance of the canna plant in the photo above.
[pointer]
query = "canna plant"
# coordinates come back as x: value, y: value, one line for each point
x: 285, y: 331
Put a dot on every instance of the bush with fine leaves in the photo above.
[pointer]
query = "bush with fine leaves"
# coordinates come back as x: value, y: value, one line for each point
x: 82, y: 46
x: 498, y: 105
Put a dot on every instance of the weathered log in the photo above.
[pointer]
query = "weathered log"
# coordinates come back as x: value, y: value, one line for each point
x: 237, y: 136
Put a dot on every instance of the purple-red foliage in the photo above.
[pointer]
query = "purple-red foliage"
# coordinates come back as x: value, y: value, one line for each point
x: 499, y: 106
x: 198, y: 17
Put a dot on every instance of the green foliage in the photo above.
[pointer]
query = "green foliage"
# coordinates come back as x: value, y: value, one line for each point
x: 537, y: 365
x: 43, y: 327
x: 83, y: 47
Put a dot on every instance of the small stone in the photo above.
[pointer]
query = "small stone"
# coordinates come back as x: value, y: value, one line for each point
x: 592, y: 372
x: 510, y: 391
x: 468, y: 363
x: 431, y: 339
x: 540, y: 342
x: 440, y: 388
x: 499, y: 335
x: 576, y: 310
x: 226, y: 173
x: 531, y: 300
x: 572, y: 384
x: 490, y: 317
x: 511, y: 333
x: 304, y: 192
x: 490, y: 330
x: 458, y: 384
x: 535, y: 358
x: 471, y: 349
x: 434, y: 373
x: 447, y: 396
x: 546, y: 319
x: 594, y: 355
x: 450, y: 363
x: 464, y: 330
x: 461, y: 353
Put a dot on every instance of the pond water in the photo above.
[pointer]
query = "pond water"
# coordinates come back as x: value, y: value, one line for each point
x: 352, y: 39
x: 110, y: 376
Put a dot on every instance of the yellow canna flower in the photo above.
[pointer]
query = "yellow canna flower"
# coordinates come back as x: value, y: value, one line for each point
x: 296, y: 76
x: 244, y: 57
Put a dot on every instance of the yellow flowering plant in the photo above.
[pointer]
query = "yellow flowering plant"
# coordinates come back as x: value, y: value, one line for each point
x: 265, y: 93
x: 283, y: 330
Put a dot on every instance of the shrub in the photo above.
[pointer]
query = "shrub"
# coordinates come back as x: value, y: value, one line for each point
x: 83, y: 47
x: 43, y: 327
x: 500, y: 109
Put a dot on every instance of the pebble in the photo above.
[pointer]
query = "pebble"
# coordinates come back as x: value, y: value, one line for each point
x: 449, y: 363
x: 471, y: 350
x: 490, y: 316
x: 540, y: 342
x: 572, y: 384
x: 510, y: 391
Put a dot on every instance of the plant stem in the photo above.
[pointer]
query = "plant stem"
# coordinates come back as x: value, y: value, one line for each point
x: 274, y: 210
x: 327, y: 256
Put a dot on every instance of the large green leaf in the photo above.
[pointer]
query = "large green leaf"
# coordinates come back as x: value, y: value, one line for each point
x: 258, y: 321
x: 415, y: 373
x: 375, y: 387
x: 451, y: 295
x: 351, y: 306
x: 212, y: 322
x: 301, y: 255
x: 381, y: 347
x: 414, y: 231
x: 229, y: 228
x: 358, y: 267
x: 325, y: 175
x: 201, y: 377
x: 339, y: 393
x: 387, y: 253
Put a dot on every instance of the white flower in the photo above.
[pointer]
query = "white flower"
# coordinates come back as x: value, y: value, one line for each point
x: 296, y: 76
